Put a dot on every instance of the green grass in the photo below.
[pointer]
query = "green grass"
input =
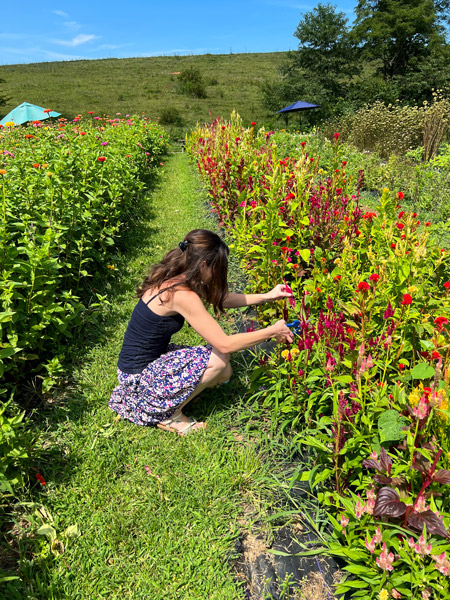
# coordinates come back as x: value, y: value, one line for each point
x: 164, y: 534
x: 149, y: 85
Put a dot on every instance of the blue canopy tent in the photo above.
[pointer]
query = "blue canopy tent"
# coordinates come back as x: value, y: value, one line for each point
x: 27, y: 112
x: 297, y: 107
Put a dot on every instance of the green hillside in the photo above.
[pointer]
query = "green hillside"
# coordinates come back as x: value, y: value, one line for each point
x: 149, y: 85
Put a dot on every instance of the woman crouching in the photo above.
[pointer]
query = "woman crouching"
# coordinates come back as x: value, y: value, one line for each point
x: 157, y: 378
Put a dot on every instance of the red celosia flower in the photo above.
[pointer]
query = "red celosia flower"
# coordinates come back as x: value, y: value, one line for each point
x: 400, y: 226
x: 374, y: 277
x: 36, y: 165
x: 29, y: 136
x: 414, y: 215
x: 407, y: 299
x: 253, y: 123
x: 101, y: 158
x: 447, y: 285
x: 369, y: 215
x: 393, y: 245
x: 90, y: 112
x: 427, y: 224
x: 363, y: 286
x: 427, y: 391
x: 401, y: 366
x: 48, y: 110
x: 336, y: 135
x: 344, y: 162
x: 440, y: 322
x: 40, y: 478
x: 435, y: 354
x: 337, y: 278
x: 400, y: 195
x: 401, y: 214
x: 302, y: 144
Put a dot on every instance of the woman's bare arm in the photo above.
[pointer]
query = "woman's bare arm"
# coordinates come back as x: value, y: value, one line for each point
x: 239, y: 300
x: 189, y: 305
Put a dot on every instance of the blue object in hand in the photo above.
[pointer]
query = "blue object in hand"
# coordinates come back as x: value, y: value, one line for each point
x: 296, y: 326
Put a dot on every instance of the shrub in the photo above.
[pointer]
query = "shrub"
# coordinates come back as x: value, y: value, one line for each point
x: 191, y: 83
x: 170, y: 116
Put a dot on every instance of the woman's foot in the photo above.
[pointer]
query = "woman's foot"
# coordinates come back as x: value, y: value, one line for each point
x: 181, y: 424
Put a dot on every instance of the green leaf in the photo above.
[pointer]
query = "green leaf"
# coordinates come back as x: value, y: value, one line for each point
x: 422, y: 371
x: 305, y: 254
x: 391, y: 426
x: 48, y: 531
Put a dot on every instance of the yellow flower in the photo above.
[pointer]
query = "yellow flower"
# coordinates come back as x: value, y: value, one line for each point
x: 412, y: 289
x: 295, y: 352
x: 9, y: 124
x: 416, y: 395
x: 285, y: 354
x: 112, y: 267
x: 384, y: 594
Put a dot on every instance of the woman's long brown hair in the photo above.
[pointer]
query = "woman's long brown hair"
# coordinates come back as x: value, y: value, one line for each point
x: 202, y: 245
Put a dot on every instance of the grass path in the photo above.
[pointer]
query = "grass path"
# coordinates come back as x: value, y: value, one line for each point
x: 156, y: 515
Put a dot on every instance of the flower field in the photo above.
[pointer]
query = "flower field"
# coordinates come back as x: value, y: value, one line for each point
x: 364, y: 386
x: 65, y: 191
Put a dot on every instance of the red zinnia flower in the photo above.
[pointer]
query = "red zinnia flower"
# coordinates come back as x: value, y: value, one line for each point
x: 101, y: 158
x: 447, y: 285
x: 47, y: 110
x: 400, y: 195
x: 435, y: 354
x: 29, y: 136
x: 363, y: 286
x: 427, y: 224
x: 400, y: 226
x: 407, y: 299
x: 253, y: 123
x: 374, y: 277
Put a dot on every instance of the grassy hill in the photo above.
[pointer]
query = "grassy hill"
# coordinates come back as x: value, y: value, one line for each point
x: 149, y: 85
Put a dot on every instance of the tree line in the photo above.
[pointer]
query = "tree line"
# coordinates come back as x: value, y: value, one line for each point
x: 395, y: 50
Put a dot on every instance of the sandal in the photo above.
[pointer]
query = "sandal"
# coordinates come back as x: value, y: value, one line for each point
x: 189, y: 425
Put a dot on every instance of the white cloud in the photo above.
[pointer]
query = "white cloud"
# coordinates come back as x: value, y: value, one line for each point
x: 72, y: 25
x: 82, y: 38
x: 60, y: 13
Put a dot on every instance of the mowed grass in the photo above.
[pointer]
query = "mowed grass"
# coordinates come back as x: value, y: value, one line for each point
x: 154, y: 515
x: 149, y: 85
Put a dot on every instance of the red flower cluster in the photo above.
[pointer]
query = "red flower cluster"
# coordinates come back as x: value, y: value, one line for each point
x: 363, y: 286
x: 407, y: 300
x: 369, y: 215
x: 101, y: 158
x: 40, y: 478
x: 440, y: 322
x: 374, y: 277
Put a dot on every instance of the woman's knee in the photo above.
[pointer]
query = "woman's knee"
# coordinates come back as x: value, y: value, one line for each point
x: 219, y: 361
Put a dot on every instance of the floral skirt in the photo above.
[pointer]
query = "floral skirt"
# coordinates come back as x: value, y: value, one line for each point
x: 152, y: 396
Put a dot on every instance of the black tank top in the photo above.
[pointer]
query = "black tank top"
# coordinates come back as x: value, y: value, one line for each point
x: 147, y: 337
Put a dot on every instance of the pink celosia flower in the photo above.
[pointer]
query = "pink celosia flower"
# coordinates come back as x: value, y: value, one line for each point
x: 360, y: 508
x: 421, y: 410
x: 395, y: 594
x: 421, y: 505
x: 442, y: 564
x: 378, y: 536
x: 370, y: 545
x: 385, y: 560
x: 422, y: 547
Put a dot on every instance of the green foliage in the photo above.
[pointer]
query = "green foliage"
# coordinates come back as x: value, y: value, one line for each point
x: 171, y: 116
x: 15, y: 446
x: 191, y: 83
x: 65, y: 192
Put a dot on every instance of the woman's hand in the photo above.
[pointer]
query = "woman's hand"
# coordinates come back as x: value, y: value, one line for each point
x: 279, y: 291
x: 282, y: 333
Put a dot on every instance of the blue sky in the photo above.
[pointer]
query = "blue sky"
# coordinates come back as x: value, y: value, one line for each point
x: 45, y: 32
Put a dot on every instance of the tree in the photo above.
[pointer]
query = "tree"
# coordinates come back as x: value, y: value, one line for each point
x: 320, y: 70
x: 400, y: 34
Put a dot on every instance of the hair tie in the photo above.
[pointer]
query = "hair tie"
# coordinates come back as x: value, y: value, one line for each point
x: 183, y: 245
